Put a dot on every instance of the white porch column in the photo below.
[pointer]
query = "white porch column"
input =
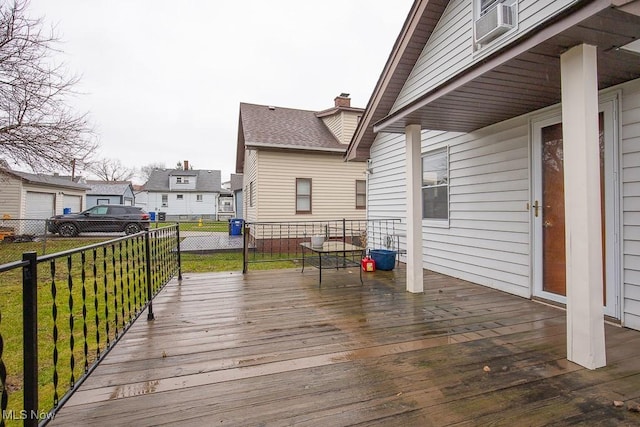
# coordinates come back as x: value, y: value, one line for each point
x: 585, y: 314
x: 414, y: 209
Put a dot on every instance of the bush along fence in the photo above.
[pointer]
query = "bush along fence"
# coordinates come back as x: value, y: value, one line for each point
x: 278, y: 241
x: 61, y: 314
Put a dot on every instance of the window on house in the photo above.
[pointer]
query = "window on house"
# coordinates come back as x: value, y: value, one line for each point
x: 179, y: 196
x: 102, y: 202
x: 198, y: 197
x: 486, y: 5
x: 303, y: 195
x: 178, y: 180
x: 435, y: 185
x: 361, y: 194
x: 165, y: 200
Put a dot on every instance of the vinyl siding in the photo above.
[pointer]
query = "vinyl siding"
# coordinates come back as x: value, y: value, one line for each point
x: 342, y: 125
x: 487, y: 239
x: 450, y: 48
x: 188, y: 206
x: 249, y: 176
x: 10, y: 196
x: 630, y: 141
x: 333, y: 186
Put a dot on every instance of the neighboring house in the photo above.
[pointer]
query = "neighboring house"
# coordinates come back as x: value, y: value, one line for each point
x: 226, y: 207
x: 32, y: 196
x: 236, y: 186
x: 292, y: 163
x: 486, y: 132
x: 187, y: 194
x: 140, y: 196
x: 110, y: 193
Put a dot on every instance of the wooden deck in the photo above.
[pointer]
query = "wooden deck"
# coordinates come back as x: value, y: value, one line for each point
x: 273, y: 349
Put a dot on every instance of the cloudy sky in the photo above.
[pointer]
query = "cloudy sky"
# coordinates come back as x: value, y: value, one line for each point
x: 162, y: 80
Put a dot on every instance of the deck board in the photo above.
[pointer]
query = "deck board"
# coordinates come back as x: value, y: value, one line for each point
x: 271, y: 348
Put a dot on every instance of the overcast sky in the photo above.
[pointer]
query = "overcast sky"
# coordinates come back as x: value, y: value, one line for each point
x: 163, y: 80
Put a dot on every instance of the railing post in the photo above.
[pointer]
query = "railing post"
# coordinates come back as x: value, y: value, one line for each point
x: 344, y: 230
x: 245, y: 249
x: 30, y: 337
x: 147, y: 244
x: 179, y: 256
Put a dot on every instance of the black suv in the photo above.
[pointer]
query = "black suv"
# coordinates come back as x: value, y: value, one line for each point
x: 102, y: 218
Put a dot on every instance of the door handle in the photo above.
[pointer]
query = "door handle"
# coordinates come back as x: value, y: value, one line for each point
x: 536, y: 208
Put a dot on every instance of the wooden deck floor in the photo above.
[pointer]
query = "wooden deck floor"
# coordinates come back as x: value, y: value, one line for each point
x: 273, y: 349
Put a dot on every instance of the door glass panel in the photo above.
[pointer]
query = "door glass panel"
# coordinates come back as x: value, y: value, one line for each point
x: 553, y: 219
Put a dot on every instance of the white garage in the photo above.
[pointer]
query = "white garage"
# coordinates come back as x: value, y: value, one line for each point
x: 72, y: 202
x: 39, y: 205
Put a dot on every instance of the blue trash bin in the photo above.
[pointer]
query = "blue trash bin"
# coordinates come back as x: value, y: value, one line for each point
x: 385, y: 259
x: 236, y: 226
x: 152, y: 216
x: 66, y: 211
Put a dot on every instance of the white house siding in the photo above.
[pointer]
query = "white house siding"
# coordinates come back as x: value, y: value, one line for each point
x: 10, y: 196
x: 188, y: 207
x: 630, y: 140
x: 487, y: 239
x: 449, y: 50
x: 333, y: 186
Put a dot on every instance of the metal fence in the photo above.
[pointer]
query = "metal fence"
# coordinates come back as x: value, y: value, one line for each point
x: 62, y: 313
x: 280, y: 241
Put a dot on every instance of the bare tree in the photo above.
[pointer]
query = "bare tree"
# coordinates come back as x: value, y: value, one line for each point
x: 146, y: 171
x: 112, y: 170
x: 37, y: 127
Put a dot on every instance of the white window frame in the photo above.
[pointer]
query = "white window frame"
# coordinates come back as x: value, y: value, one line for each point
x: 198, y: 197
x: 164, y: 200
x: 179, y: 196
x: 441, y: 222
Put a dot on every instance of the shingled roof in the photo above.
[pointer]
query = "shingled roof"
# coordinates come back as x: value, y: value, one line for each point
x: 208, y: 181
x: 47, y: 180
x: 103, y: 188
x: 265, y: 126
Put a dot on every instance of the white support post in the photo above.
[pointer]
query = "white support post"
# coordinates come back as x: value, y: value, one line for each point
x: 585, y: 313
x: 415, y: 281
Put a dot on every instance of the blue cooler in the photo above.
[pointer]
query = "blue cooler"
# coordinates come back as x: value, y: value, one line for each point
x: 385, y: 259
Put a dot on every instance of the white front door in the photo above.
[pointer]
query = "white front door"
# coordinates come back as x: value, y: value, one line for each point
x: 549, y: 279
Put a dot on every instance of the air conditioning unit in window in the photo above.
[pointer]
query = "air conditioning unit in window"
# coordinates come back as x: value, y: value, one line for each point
x: 493, y: 23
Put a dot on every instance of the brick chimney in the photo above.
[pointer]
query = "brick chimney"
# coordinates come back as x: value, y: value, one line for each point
x: 185, y: 164
x: 343, y: 100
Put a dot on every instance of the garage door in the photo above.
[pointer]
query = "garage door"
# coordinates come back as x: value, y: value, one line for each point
x: 40, y: 206
x: 73, y: 202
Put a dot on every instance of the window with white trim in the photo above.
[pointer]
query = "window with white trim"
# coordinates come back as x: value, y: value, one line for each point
x: 435, y: 185
x: 165, y: 200
x: 179, y: 196
x: 303, y: 195
x: 198, y: 197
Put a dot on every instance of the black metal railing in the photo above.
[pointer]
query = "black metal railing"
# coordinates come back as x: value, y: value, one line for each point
x: 280, y: 241
x: 75, y: 306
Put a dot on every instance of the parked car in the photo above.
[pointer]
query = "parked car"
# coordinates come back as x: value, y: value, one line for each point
x: 102, y: 218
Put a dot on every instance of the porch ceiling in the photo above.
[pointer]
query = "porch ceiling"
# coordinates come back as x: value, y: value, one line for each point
x: 525, y: 78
